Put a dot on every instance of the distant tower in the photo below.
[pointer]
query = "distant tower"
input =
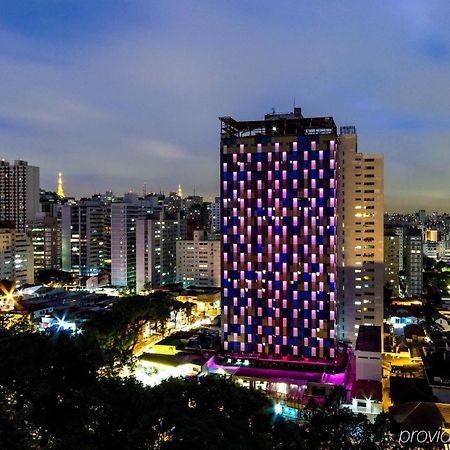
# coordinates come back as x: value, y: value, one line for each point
x: 180, y: 191
x: 60, y: 191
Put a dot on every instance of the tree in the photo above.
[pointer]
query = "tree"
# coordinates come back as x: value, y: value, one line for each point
x: 117, y: 331
x: 49, y: 276
x: 51, y: 397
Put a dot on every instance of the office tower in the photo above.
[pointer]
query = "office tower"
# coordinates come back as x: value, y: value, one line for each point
x: 392, y: 262
x: 194, y: 219
x: 19, y: 193
x: 400, y: 232
x: 278, y: 188
x: 198, y: 261
x: 123, y: 244
x: 192, y: 200
x: 360, y: 237
x: 83, y: 237
x: 156, y: 239
x: 422, y: 216
x: 45, y: 234
x: 206, y: 216
x: 172, y: 203
x: 16, y: 257
x: 50, y: 204
x: 215, y: 216
x: 413, y: 262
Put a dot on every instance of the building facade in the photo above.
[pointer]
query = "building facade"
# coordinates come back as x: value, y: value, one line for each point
x: 123, y: 244
x: 45, y: 234
x: 16, y: 257
x: 392, y: 263
x: 198, y: 261
x: 360, y: 237
x: 156, y: 241
x: 83, y: 228
x: 215, y: 217
x: 414, y: 263
x: 278, y: 188
x: 19, y: 193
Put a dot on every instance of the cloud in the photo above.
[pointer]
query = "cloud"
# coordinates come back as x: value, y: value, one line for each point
x: 118, y: 96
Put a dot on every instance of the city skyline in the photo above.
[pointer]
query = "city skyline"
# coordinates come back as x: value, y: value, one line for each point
x: 86, y: 89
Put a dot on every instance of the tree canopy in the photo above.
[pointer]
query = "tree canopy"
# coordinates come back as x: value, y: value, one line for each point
x: 116, y: 331
x: 52, y: 397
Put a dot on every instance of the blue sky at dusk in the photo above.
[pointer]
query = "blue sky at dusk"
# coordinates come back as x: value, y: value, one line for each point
x: 118, y: 93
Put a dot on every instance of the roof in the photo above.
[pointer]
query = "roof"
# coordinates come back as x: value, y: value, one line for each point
x: 413, y: 330
x: 369, y: 338
x: 278, y: 124
x: 173, y: 360
x: 367, y: 389
x: 422, y: 415
x: 410, y: 389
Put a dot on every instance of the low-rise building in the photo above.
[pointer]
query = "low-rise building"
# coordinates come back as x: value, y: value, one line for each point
x: 368, y: 353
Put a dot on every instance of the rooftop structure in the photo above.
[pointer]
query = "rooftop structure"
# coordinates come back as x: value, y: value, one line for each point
x: 369, y: 339
x: 278, y: 124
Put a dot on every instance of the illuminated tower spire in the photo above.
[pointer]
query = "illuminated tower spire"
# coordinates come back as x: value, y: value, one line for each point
x: 180, y: 191
x: 60, y: 191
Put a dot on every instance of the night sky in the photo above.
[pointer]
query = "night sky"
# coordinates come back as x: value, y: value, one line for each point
x: 118, y: 93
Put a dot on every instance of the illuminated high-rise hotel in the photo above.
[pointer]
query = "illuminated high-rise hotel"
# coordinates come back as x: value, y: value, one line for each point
x: 278, y: 191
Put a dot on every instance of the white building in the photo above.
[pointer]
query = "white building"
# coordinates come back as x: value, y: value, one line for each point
x: 198, y: 261
x: 16, y: 257
x: 360, y: 237
x: 368, y: 353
